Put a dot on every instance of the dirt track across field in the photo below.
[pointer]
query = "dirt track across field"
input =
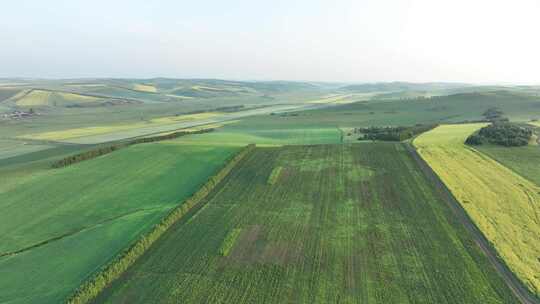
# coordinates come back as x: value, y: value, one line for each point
x: 521, y: 292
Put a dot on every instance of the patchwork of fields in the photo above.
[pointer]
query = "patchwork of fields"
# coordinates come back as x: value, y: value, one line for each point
x: 85, y: 135
x: 317, y: 224
x: 37, y: 98
x: 308, y: 217
x: 504, y: 205
x: 61, y: 225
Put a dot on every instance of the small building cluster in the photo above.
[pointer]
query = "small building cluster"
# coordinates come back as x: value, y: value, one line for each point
x: 19, y: 114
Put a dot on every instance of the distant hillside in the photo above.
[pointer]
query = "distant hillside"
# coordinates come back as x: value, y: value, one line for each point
x: 517, y: 106
x: 144, y: 90
x: 400, y: 87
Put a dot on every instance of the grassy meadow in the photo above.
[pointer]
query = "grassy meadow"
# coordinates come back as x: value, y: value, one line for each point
x: 64, y: 224
x: 504, y: 205
x: 316, y: 224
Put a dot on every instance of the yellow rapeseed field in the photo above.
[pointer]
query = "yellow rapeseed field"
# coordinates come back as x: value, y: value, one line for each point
x: 145, y: 88
x: 34, y: 98
x: 504, y: 205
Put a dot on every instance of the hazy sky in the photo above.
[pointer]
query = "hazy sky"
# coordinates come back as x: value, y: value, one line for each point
x: 335, y: 40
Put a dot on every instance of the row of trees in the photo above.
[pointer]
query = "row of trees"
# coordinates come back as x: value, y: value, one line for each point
x: 90, y: 289
x: 392, y: 133
x: 501, y: 133
x: 73, y: 159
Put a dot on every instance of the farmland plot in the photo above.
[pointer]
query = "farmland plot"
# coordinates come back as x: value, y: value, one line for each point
x: 60, y: 226
x: 504, y: 205
x: 333, y: 224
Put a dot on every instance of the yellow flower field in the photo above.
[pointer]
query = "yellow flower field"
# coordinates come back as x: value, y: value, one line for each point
x: 504, y: 205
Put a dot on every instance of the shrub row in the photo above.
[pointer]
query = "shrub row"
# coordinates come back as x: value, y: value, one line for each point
x: 91, y: 288
x: 73, y: 159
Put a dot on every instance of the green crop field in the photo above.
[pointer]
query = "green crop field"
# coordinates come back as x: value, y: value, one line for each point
x: 523, y: 160
x: 335, y: 224
x: 267, y: 137
x: 61, y: 225
x: 504, y: 205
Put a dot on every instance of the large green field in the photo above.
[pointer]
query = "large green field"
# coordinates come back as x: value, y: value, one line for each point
x: 317, y: 224
x: 59, y: 226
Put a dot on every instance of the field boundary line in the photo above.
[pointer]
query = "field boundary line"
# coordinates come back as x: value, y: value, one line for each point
x: 522, y: 293
x: 113, y: 270
x: 68, y: 234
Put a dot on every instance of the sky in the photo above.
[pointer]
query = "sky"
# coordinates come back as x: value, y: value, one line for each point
x: 476, y: 41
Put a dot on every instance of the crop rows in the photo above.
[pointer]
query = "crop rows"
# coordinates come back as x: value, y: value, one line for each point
x: 339, y: 224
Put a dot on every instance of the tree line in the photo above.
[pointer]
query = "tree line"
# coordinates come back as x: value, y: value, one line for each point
x: 501, y: 133
x: 392, y: 133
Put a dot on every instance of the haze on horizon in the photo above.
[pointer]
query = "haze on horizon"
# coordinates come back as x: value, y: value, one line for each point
x: 477, y: 41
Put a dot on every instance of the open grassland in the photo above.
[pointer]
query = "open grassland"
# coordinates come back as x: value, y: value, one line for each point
x: 523, y: 160
x: 60, y: 226
x: 335, y: 224
x: 504, y: 205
